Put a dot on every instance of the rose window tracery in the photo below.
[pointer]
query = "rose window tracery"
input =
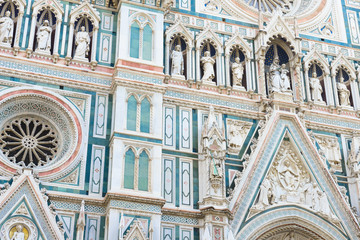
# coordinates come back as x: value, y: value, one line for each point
x: 271, y: 5
x: 29, y: 141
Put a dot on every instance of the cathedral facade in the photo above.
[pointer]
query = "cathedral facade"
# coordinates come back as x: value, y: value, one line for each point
x: 179, y: 120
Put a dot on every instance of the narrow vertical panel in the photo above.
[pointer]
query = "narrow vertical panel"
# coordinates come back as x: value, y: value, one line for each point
x: 185, y: 183
x: 131, y: 113
x: 218, y: 233
x: 92, y: 228
x: 185, y: 4
x: 100, y: 116
x: 143, y: 176
x: 168, y: 233
x: 107, y: 21
x: 145, y: 116
x: 68, y: 225
x: 185, y: 130
x: 135, y: 40
x: 169, y: 127
x: 129, y: 169
x: 105, y: 47
x: 353, y: 26
x: 147, y: 43
x: 168, y: 180
x: 97, y: 169
x: 186, y: 234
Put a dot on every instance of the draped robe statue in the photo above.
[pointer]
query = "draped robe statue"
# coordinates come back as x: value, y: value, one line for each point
x: 6, y: 29
x: 82, y: 42
x: 177, y: 66
x: 44, y: 37
x: 237, y: 72
x: 19, y: 234
x: 208, y: 67
x: 344, y: 93
x: 316, y: 89
x: 275, y: 77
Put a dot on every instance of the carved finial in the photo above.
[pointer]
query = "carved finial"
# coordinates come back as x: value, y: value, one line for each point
x: 206, y: 235
x: 81, y: 222
x: 121, y: 226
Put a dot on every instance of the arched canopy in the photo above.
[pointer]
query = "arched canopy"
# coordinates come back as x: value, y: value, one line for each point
x: 208, y: 35
x: 314, y: 57
x: 237, y: 41
x: 85, y: 9
x: 178, y: 29
x: 142, y: 20
x: 342, y: 63
x: 20, y: 4
x: 53, y: 5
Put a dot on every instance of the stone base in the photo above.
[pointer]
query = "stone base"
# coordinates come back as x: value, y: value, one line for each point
x: 209, y: 83
x: 322, y: 103
x: 239, y: 88
x: 43, y: 52
x: 282, y: 96
x: 80, y: 59
x: 178, y: 77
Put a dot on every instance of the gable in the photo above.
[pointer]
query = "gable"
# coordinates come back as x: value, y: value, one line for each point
x: 279, y: 126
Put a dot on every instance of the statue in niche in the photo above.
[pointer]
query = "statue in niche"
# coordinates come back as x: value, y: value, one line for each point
x: 82, y: 42
x: 6, y: 29
x: 275, y: 77
x: 331, y: 149
x: 310, y: 192
x: 285, y: 82
x: 344, y: 93
x: 44, y: 37
x: 19, y: 234
x: 237, y: 72
x: 177, y: 66
x: 208, y: 67
x: 316, y: 89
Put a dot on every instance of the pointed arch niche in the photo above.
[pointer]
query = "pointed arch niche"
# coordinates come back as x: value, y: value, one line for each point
x: 209, y: 51
x: 316, y: 66
x: 83, y: 15
x: 346, y: 91
x: 16, y: 8
x: 237, y: 47
x: 51, y: 12
x: 178, y: 34
x: 278, y: 49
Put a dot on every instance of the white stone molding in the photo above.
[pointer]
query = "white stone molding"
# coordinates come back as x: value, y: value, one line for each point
x: 20, y: 5
x: 341, y: 62
x: 238, y: 42
x: 56, y: 8
x: 179, y: 30
x: 209, y: 36
x: 136, y: 231
x: 314, y: 57
x: 86, y: 10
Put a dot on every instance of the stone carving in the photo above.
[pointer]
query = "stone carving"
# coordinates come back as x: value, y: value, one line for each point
x: 82, y: 42
x: 19, y: 234
x: 236, y: 132
x: 344, y: 93
x: 237, y: 72
x: 288, y: 181
x: 316, y: 88
x: 290, y: 236
x: 6, y: 29
x: 177, y: 66
x: 331, y: 149
x: 44, y: 37
x: 279, y: 80
x: 208, y: 67
x: 354, y: 156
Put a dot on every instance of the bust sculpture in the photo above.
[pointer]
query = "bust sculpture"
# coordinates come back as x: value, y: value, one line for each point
x: 208, y: 67
x: 82, y: 42
x: 6, y: 29
x: 19, y: 234
x: 237, y: 72
x: 44, y: 37
x: 177, y: 66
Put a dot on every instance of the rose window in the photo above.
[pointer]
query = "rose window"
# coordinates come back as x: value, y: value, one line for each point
x: 271, y: 5
x: 29, y: 141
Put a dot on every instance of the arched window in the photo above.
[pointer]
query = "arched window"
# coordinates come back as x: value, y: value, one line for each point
x: 135, y: 40
x: 143, y: 176
x: 131, y: 113
x: 129, y: 169
x: 147, y: 46
x: 141, y: 38
x: 145, y: 116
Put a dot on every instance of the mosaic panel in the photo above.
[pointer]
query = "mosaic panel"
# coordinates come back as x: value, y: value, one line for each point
x: 169, y: 180
x: 186, y: 183
x: 105, y: 47
x: 179, y: 220
x: 167, y: 233
x: 100, y: 117
x: 138, y: 77
x: 169, y: 127
x: 97, y: 169
x: 185, y: 129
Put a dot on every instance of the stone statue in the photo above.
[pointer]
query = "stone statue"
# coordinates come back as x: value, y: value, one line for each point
x: 82, y: 42
x: 208, y: 67
x: 177, y: 66
x: 6, y: 29
x: 44, y: 37
x: 344, y: 93
x: 285, y: 82
x: 265, y: 191
x: 237, y: 72
x: 310, y: 191
x: 275, y: 77
x: 316, y: 89
x: 289, y: 175
x: 324, y: 204
x: 19, y: 234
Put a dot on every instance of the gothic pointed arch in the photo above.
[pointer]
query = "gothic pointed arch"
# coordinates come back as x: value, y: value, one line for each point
x: 85, y: 9
x: 303, y: 161
x: 178, y: 29
x: 52, y: 5
x: 342, y: 62
x: 20, y: 4
x: 135, y: 232
x: 208, y: 35
x: 315, y: 57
